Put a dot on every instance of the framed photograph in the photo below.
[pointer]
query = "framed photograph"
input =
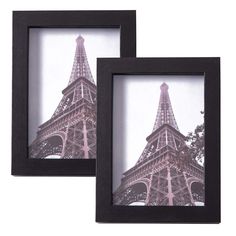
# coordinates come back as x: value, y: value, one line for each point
x: 158, y: 149
x: 55, y: 85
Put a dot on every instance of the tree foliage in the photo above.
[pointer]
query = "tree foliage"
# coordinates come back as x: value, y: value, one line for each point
x: 194, y: 149
x: 196, y: 143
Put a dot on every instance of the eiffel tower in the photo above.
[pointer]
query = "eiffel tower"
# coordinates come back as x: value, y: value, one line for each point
x: 71, y: 131
x: 163, y: 175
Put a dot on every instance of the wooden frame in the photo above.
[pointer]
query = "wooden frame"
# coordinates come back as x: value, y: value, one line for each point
x: 22, y: 22
x: 105, y: 210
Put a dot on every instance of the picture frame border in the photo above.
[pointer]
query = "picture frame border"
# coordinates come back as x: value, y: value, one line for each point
x: 22, y: 22
x: 105, y: 210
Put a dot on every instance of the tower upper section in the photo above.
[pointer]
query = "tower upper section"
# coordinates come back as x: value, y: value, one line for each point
x: 80, y: 66
x: 165, y: 114
x: 84, y: 88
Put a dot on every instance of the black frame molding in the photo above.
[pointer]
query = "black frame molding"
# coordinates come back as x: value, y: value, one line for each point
x: 22, y: 22
x: 105, y: 210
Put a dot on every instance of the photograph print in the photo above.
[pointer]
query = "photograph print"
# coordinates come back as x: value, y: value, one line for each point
x: 158, y: 140
x: 62, y: 90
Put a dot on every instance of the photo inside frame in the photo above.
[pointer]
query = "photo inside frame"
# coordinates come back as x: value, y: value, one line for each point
x: 158, y: 140
x: 62, y: 89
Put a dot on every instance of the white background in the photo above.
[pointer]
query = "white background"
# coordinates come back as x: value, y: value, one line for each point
x: 66, y: 206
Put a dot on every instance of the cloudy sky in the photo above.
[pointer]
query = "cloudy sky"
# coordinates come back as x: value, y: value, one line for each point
x: 51, y: 55
x: 135, y: 104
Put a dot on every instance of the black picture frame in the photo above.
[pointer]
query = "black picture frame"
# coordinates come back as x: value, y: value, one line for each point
x: 22, y: 22
x: 105, y: 210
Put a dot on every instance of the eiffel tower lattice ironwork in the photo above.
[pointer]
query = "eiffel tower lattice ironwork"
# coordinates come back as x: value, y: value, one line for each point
x: 163, y: 174
x: 71, y: 131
